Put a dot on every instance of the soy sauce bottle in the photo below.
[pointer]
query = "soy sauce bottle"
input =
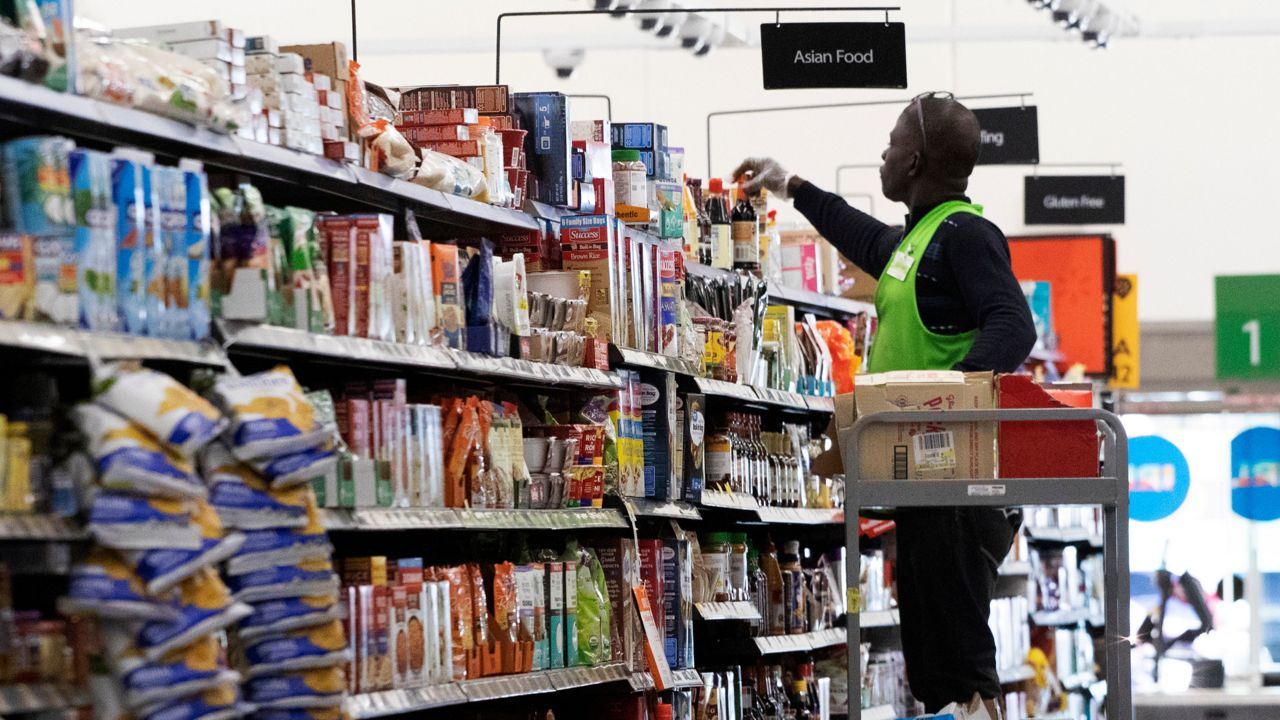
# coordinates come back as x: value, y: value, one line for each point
x: 746, y: 235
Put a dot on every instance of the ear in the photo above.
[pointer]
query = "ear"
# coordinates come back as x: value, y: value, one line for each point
x: 917, y: 164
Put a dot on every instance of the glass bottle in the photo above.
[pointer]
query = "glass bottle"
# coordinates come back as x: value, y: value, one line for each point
x: 703, y: 222
x: 780, y: 696
x: 762, y: 460
x: 721, y: 226
x: 719, y: 459
x: 746, y: 235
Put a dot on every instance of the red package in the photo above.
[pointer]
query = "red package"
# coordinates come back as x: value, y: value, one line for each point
x: 1043, y: 449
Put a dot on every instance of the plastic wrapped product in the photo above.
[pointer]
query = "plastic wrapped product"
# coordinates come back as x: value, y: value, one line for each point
x: 316, y: 688
x: 162, y: 406
x: 219, y: 703
x: 303, y: 649
x: 305, y: 579
x: 133, y: 522
x: 205, y: 606
x: 267, y: 548
x: 104, y: 586
x: 130, y: 460
x: 161, y: 569
x: 451, y: 176
x: 270, y: 415
x: 284, y: 471
x: 243, y: 499
x: 593, y: 612
x: 280, y: 615
x: 186, y: 671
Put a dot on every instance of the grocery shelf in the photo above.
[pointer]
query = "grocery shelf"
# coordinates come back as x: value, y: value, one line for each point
x: 16, y: 699
x: 382, y: 519
x: 801, y: 516
x: 720, y: 611
x: 878, y: 618
x: 725, y: 389
x: 880, y: 712
x: 818, y: 403
x: 44, y: 110
x: 1020, y: 673
x: 1015, y: 569
x: 105, y: 346
x: 804, y: 642
x: 640, y: 358
x: 1059, y: 618
x: 39, y: 527
x: 670, y: 509
x: 397, y: 702
x: 524, y: 371
x: 688, y: 678
x: 729, y: 500
x: 1079, y: 680
x: 783, y: 399
x: 831, y: 637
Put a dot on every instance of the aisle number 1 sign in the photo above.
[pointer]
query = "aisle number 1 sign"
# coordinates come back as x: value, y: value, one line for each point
x: 1248, y: 326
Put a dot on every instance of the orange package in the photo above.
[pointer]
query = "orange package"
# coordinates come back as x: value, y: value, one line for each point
x: 844, y: 356
x: 461, y: 614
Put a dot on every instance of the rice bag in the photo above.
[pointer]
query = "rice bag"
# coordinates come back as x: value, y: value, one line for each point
x: 162, y: 406
x: 219, y: 703
x: 309, y: 578
x: 192, y: 669
x: 270, y: 415
x: 320, y: 713
x: 130, y: 460
x: 319, y: 687
x: 242, y: 497
x: 104, y: 586
x: 134, y: 522
x: 162, y: 569
x: 205, y: 606
x: 303, y: 649
x: 291, y: 613
x: 296, y: 468
x: 274, y: 546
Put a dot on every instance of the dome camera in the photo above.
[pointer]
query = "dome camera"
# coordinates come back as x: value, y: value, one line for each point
x: 564, y: 60
x: 694, y: 31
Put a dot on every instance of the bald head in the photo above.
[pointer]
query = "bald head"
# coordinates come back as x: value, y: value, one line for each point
x: 951, y: 136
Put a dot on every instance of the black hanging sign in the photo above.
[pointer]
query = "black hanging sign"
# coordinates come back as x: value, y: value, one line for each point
x: 1074, y: 200
x: 1010, y: 136
x: 833, y: 55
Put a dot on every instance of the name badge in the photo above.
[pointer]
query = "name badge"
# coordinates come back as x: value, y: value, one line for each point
x: 900, y: 265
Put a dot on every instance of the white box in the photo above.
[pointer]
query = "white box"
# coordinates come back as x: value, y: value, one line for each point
x: 236, y: 37
x: 237, y: 74
x: 237, y: 57
x: 336, y: 100
x: 259, y: 44
x: 176, y: 32
x: 273, y: 118
x: 275, y: 136
x: 322, y: 81
x: 329, y: 132
x: 290, y: 63
x: 297, y: 84
x: 207, y: 49
x: 260, y: 64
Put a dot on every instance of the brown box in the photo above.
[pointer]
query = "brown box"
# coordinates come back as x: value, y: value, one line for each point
x: 451, y: 116
x: 435, y: 133
x: 488, y: 99
x: 326, y: 58
x: 924, y: 451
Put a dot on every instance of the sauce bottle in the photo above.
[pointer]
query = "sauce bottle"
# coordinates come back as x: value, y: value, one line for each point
x: 746, y: 235
x: 721, y: 226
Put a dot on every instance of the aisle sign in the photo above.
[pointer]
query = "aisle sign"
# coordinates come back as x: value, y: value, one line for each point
x: 1248, y: 326
x: 1074, y: 200
x: 1124, y: 333
x: 1009, y: 135
x: 1255, y: 474
x: 833, y: 55
x: 1158, y: 478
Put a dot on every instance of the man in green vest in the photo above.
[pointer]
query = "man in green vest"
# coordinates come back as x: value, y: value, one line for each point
x: 946, y: 299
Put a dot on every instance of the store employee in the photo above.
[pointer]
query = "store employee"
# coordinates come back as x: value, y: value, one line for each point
x: 947, y: 299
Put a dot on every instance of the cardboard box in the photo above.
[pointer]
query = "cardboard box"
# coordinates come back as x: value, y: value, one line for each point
x: 1048, y: 449
x: 176, y: 32
x: 657, y: 422
x: 487, y: 99
x: 619, y: 561
x: 446, y: 116
x: 932, y: 450
x: 547, y: 146
x: 327, y: 58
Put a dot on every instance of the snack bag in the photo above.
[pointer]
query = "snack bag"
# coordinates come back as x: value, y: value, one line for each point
x: 219, y: 703
x: 302, y: 649
x: 204, y: 606
x: 103, y: 585
x: 280, y: 615
x: 593, y: 633
x: 161, y: 569
x: 307, y: 578
x: 134, y: 522
x: 319, y: 687
x: 162, y: 406
x: 267, y: 548
x: 270, y: 416
x: 186, y: 671
x: 130, y: 460
x: 296, y: 468
x: 242, y: 497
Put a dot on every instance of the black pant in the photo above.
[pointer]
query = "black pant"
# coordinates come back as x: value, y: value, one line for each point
x: 948, y: 563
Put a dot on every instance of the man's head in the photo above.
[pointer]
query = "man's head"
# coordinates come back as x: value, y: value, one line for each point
x: 935, y: 143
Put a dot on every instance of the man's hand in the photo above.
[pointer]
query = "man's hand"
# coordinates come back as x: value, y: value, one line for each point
x: 762, y: 173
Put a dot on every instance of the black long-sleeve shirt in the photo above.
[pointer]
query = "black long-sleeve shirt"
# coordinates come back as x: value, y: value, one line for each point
x: 964, y: 282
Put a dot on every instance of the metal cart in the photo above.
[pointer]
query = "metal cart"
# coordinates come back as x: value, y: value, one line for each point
x: 1109, y: 490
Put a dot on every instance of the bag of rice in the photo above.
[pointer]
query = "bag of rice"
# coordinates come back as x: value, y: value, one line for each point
x: 319, y: 687
x: 308, y: 578
x: 130, y: 460
x: 284, y: 614
x: 219, y: 703
x: 242, y: 497
x: 134, y: 522
x: 186, y: 671
x: 267, y: 548
x: 270, y: 415
x: 296, y: 468
x: 322, y: 713
x: 162, y: 569
x: 205, y: 606
x: 303, y: 649
x: 104, y: 586
x: 164, y: 407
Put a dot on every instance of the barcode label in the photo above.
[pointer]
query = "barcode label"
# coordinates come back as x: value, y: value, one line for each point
x: 935, y: 451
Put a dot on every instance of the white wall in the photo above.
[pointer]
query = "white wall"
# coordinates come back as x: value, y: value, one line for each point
x: 1192, y: 120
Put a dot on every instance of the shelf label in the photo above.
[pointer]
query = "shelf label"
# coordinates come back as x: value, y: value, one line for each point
x: 986, y: 491
x: 653, y: 643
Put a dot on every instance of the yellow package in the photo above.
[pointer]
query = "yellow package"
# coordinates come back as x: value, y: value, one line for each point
x: 164, y: 407
x: 270, y: 415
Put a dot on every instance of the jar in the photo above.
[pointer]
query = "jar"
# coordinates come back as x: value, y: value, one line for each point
x: 715, y: 562
x: 719, y: 460
x: 738, y: 578
x: 630, y: 179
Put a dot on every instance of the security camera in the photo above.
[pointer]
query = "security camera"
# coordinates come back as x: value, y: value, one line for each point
x: 694, y: 31
x: 651, y: 21
x: 564, y: 60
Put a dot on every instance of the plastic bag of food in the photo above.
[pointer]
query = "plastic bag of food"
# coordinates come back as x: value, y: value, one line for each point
x: 185, y: 671
x: 319, y: 687
x: 284, y: 471
x: 161, y: 569
x: 162, y: 406
x: 219, y: 703
x: 243, y: 499
x: 394, y: 155
x: 844, y: 355
x: 304, y: 579
x: 104, y: 586
x: 593, y: 613
x: 280, y: 615
x: 270, y: 415
x: 302, y: 649
x: 135, y: 522
x: 130, y: 460
x: 452, y: 176
x: 204, y: 606
x: 282, y: 546
x: 320, y: 713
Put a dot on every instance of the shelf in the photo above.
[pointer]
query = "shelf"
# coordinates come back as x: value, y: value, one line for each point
x: 878, y: 618
x: 782, y: 399
x: 1079, y: 681
x: 725, y: 389
x: 820, y: 303
x: 688, y: 678
x: 639, y: 358
x: 1068, y: 536
x: 670, y: 509
x: 1059, y: 618
x: 729, y: 500
x: 39, y: 527
x: 880, y: 712
x: 884, y: 493
x: 800, y: 516
x: 105, y: 346
x: 1021, y: 673
x: 385, y: 519
x: 396, y: 702
x: 36, y: 698
x: 527, y: 371
x: 831, y: 637
x: 1015, y: 569
x: 816, y: 640
x: 722, y: 611
x: 818, y: 403
x: 44, y: 110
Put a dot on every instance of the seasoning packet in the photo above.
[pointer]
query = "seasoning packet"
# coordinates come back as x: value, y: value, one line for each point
x: 315, y: 688
x: 161, y: 569
x: 162, y: 406
x: 307, y: 578
x: 280, y: 615
x: 185, y: 671
x: 205, y: 606
x: 270, y: 415
x: 243, y: 499
x: 104, y: 586
x: 282, y: 546
x: 130, y: 460
x: 134, y: 522
x: 302, y: 649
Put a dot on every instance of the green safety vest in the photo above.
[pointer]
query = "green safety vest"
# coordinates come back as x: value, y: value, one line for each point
x: 902, y: 342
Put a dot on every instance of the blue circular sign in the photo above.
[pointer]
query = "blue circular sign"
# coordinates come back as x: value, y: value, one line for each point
x: 1158, y: 478
x: 1255, y: 474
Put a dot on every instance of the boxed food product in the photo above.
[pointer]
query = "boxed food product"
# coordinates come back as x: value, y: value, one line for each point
x: 547, y: 147
x: 17, y: 276
x: 693, y: 430
x: 177, y: 32
x: 449, y: 116
x: 555, y: 614
x: 325, y: 58
x: 639, y: 136
x: 657, y: 419
x: 487, y: 99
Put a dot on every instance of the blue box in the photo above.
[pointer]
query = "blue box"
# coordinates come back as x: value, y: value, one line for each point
x: 671, y: 602
x: 95, y: 239
x: 131, y: 243
x: 639, y: 136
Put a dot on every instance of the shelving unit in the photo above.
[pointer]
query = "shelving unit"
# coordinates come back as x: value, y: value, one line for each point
x: 387, y: 519
x: 878, y: 618
x: 39, y: 527
x: 15, y: 699
x: 720, y: 611
x: 105, y: 346
x: 805, y: 642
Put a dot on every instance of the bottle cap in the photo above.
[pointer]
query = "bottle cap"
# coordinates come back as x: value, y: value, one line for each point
x: 715, y: 185
x: 626, y: 155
